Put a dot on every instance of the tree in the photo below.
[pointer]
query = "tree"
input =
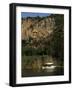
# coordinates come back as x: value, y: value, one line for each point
x: 58, y: 37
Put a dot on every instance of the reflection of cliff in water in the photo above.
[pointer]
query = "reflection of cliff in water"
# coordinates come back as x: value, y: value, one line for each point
x: 41, y: 66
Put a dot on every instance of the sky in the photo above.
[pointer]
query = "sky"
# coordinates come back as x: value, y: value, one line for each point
x: 29, y: 14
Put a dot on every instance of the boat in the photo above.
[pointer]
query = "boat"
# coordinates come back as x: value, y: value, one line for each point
x: 48, y: 66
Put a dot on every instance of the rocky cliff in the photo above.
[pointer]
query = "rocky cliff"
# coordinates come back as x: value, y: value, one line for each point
x: 37, y: 27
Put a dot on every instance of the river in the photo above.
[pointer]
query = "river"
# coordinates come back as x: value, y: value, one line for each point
x: 46, y: 66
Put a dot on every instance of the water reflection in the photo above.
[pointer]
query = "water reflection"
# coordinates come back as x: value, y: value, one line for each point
x: 41, y: 66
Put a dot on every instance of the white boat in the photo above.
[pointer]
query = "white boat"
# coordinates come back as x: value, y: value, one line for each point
x: 48, y: 66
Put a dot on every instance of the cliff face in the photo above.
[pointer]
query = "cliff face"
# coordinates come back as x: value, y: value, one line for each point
x: 37, y: 27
